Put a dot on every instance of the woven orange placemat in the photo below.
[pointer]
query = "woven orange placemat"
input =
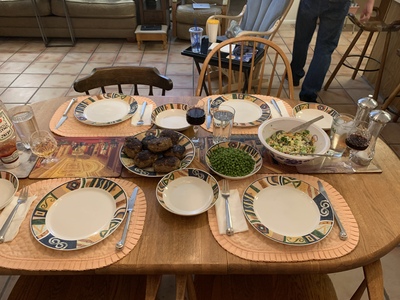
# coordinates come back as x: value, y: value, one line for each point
x: 25, y: 253
x: 252, y: 245
x: 253, y: 129
x: 73, y: 128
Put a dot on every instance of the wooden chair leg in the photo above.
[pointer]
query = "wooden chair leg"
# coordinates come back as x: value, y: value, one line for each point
x: 152, y: 285
x: 374, y: 280
x: 360, y: 291
x: 391, y: 97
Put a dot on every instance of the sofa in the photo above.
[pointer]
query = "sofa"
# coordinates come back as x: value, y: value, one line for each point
x: 89, y: 18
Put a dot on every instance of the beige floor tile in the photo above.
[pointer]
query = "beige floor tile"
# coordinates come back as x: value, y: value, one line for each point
x: 129, y: 57
x: 40, y: 68
x: 60, y: 81
x: 74, y: 57
x: 17, y: 95
x: 180, y: 69
x: 50, y: 57
x: 13, y: 67
x: 24, y: 57
x: 103, y: 57
x: 29, y: 80
x: 335, y: 96
x: 68, y: 68
x: 5, y: 55
x: 7, y: 79
x: 88, y: 68
x: 109, y: 47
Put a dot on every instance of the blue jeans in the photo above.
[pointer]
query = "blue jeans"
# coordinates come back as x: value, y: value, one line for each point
x: 331, y: 15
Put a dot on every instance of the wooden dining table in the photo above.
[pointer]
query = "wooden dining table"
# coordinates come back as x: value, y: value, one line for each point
x: 173, y: 244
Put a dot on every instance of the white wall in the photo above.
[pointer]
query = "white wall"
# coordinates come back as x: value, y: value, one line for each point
x: 291, y: 16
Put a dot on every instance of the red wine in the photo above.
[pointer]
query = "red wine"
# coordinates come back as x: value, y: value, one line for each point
x: 195, y: 116
x: 357, y: 142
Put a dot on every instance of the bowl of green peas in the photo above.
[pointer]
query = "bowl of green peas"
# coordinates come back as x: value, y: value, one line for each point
x: 233, y: 159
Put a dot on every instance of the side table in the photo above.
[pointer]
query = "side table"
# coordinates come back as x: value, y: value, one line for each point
x: 151, y: 35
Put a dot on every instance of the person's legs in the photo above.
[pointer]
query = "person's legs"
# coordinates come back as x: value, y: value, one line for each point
x: 306, y: 20
x: 330, y: 28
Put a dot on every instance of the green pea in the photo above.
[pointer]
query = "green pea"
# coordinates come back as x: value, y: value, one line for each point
x: 231, y: 162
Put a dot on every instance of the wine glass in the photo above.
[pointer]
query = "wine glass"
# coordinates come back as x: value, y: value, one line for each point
x: 196, y: 116
x: 43, y: 144
x: 358, y: 138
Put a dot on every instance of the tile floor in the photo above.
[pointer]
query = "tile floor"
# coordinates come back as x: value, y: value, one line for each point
x: 30, y: 72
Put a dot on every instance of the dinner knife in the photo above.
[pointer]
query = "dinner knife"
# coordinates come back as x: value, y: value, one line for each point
x: 342, y: 233
x: 208, y: 118
x: 131, y: 203
x: 276, y: 107
x: 64, y: 116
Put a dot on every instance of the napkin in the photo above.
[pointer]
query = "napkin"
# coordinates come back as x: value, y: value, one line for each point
x: 274, y: 112
x: 238, y: 219
x: 18, y: 218
x: 223, y: 49
x: 146, y: 116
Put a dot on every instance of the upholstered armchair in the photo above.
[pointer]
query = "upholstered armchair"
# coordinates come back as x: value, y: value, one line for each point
x: 185, y: 16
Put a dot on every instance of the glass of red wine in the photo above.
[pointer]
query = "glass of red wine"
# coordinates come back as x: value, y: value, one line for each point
x: 196, y: 116
x: 358, y: 137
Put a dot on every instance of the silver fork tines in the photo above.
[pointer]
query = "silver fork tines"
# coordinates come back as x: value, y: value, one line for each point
x: 141, y: 122
x: 225, y: 193
x: 23, y: 196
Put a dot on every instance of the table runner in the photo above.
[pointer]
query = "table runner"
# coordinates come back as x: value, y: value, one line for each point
x: 253, y: 246
x: 25, y: 253
x: 73, y: 128
x: 253, y: 129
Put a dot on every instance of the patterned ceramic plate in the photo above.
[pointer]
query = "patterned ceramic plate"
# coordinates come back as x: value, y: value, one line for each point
x: 128, y: 162
x: 253, y: 152
x: 249, y: 110
x: 171, y: 116
x: 287, y: 210
x: 106, y: 109
x: 79, y: 213
x: 187, y: 192
x: 308, y: 111
x: 9, y: 184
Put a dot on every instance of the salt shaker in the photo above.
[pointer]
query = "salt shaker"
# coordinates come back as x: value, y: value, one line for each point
x: 377, y: 121
x: 365, y: 106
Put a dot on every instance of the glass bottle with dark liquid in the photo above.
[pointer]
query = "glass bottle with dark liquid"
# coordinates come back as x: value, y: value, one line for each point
x: 359, y: 136
x: 196, y: 116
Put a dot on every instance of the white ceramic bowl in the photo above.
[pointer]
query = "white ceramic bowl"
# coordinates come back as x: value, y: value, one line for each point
x: 253, y: 152
x: 8, y: 186
x: 269, y: 127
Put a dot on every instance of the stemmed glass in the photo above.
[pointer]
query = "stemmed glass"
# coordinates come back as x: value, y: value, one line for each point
x: 43, y: 144
x: 196, y: 116
x: 358, y: 138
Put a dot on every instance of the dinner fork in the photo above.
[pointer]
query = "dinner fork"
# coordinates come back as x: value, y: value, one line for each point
x: 141, y: 122
x: 23, y: 196
x: 225, y: 193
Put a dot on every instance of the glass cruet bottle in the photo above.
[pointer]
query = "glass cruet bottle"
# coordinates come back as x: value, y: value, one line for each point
x: 377, y: 121
x: 365, y: 106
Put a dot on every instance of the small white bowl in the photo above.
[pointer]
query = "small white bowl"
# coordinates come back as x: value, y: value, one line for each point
x: 322, y: 141
x: 253, y: 152
x: 308, y: 111
x: 9, y: 184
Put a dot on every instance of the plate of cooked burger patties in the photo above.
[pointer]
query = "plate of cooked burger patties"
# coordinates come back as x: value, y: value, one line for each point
x: 154, y: 153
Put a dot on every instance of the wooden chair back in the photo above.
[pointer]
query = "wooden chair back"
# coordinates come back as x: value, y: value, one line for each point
x: 223, y: 73
x: 117, y: 76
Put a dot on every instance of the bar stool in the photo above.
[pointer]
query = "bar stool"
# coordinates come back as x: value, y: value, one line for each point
x: 375, y: 24
x: 389, y: 100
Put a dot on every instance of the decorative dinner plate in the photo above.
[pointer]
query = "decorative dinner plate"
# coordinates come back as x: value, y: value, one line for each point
x: 308, y: 111
x: 106, y: 109
x: 171, y: 116
x: 128, y: 162
x: 249, y: 110
x: 187, y: 192
x: 287, y: 210
x: 79, y: 213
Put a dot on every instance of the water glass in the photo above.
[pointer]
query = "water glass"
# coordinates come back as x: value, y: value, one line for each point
x: 223, y: 119
x: 341, y: 126
x: 24, y: 122
x: 195, y: 38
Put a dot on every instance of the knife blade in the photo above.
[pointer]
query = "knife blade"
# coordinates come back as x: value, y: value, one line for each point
x: 209, y: 117
x: 131, y: 203
x: 342, y: 233
x: 276, y: 106
x: 64, y: 116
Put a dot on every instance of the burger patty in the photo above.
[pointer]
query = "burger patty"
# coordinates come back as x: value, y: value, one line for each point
x: 166, y: 164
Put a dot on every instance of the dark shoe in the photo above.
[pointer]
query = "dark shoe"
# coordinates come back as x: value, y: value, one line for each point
x: 296, y: 82
x: 308, y: 99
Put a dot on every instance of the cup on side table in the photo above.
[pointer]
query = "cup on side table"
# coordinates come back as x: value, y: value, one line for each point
x: 24, y: 122
x: 212, y: 29
x: 196, y: 34
x: 223, y: 119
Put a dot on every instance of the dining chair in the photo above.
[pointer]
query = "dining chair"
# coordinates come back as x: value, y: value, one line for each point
x: 117, y: 76
x: 233, y: 71
x: 258, y: 18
